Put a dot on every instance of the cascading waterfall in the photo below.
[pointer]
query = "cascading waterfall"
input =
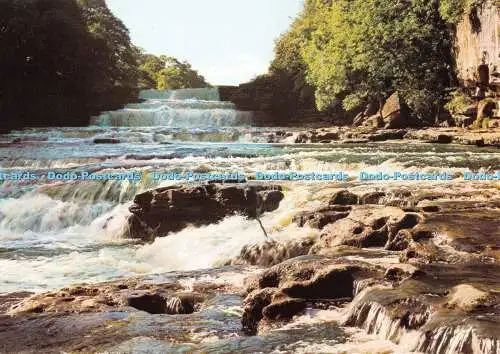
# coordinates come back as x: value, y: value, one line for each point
x: 375, y: 318
x: 183, y: 108
x: 450, y: 340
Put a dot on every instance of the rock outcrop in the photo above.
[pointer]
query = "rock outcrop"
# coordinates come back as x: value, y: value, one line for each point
x: 170, y: 209
x: 367, y: 226
x: 281, y: 291
x: 478, y: 43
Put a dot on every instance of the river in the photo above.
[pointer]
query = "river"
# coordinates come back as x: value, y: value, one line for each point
x: 59, y: 232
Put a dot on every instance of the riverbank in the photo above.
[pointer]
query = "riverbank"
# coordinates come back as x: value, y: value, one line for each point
x: 414, y: 267
x: 462, y: 136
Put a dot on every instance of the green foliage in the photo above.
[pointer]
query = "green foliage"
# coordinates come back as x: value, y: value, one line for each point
x: 61, y: 61
x: 284, y: 91
x: 178, y: 75
x: 363, y: 50
x: 458, y: 101
x: 43, y: 63
x: 149, y: 67
x: 486, y: 123
x: 114, y: 73
x: 452, y: 11
x: 167, y: 73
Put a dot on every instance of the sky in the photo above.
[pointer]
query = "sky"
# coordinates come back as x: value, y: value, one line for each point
x: 227, y: 41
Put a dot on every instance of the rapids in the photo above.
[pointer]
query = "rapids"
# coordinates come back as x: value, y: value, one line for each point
x: 58, y: 232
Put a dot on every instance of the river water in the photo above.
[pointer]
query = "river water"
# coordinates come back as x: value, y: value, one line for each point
x: 58, y: 232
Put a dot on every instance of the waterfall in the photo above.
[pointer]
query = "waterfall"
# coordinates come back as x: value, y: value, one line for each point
x: 462, y: 339
x: 183, y: 108
x: 376, y: 318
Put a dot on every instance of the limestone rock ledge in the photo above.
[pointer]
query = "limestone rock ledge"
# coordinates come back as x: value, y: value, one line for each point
x: 156, y: 213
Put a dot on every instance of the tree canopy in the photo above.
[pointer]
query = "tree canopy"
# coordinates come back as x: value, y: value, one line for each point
x: 62, y: 61
x: 340, y: 55
x: 167, y: 73
x: 363, y: 50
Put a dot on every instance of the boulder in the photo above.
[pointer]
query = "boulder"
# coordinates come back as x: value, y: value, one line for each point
x: 282, y: 291
x: 370, y: 111
x: 106, y: 141
x: 395, y: 113
x: 170, y: 209
x: 302, y: 138
x: 367, y: 226
x: 254, y: 304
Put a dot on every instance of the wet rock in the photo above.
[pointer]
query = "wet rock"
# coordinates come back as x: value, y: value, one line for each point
x: 430, y: 208
x: 170, y: 209
x: 480, y: 137
x: 271, y: 252
x: 400, y: 242
x: 281, y: 292
x: 444, y: 139
x: 323, y: 216
x: 283, y: 309
x: 400, y: 272
x: 151, y: 303
x: 427, y: 301
x: 305, y: 270
x: 332, y: 282
x: 254, y: 303
x: 355, y: 141
x: 301, y: 139
x: 366, y: 226
x: 106, y: 141
x: 183, y: 303
x: 389, y: 134
x: 467, y: 297
x: 324, y: 137
x: 344, y: 197
x: 8, y: 300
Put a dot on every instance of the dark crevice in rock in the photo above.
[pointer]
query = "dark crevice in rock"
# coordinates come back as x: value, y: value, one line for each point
x: 155, y: 303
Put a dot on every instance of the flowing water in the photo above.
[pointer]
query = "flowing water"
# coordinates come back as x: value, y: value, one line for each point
x: 57, y: 232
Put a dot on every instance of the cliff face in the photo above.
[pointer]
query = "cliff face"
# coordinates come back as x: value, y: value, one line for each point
x: 478, y: 40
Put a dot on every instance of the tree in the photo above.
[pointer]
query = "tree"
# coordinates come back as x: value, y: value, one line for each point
x: 114, y: 70
x: 62, y: 61
x: 42, y: 75
x: 167, y: 73
x: 362, y: 50
x: 177, y: 75
x: 149, y: 67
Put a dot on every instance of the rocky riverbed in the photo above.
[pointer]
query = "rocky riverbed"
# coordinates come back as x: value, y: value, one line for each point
x: 412, y: 269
